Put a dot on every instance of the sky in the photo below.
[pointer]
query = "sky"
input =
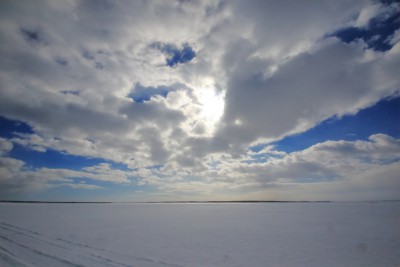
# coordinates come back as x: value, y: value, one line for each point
x: 199, y: 100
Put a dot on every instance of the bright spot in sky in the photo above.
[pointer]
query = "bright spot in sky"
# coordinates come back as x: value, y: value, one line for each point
x: 212, y: 104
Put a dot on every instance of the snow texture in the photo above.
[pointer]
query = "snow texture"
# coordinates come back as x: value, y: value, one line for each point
x: 173, y: 235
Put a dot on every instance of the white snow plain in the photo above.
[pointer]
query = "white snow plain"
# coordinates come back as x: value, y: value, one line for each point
x: 229, y: 234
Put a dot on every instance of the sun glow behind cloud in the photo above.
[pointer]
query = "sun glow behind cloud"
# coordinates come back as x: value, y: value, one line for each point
x: 161, y: 98
x: 212, y: 104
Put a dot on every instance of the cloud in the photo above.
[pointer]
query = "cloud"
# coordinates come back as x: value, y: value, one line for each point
x: 5, y: 146
x: 183, y: 85
x: 83, y: 186
x: 366, y: 15
x: 17, y: 178
x: 141, y: 93
x: 304, y: 91
x: 374, y: 26
x: 330, y: 170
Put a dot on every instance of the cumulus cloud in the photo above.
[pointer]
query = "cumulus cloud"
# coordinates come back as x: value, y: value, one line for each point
x: 304, y: 91
x: 331, y: 168
x: 185, y: 85
x: 17, y: 178
x: 5, y: 146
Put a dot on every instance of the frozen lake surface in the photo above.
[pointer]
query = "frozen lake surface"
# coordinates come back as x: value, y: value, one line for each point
x: 166, y: 235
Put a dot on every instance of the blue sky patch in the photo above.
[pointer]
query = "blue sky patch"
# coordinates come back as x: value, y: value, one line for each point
x: 141, y: 93
x: 31, y: 35
x: 52, y: 159
x: 70, y: 92
x: 57, y: 160
x: 86, y: 54
x: 376, y: 35
x: 384, y: 117
x: 99, y: 66
x: 61, y: 61
x: 8, y: 128
x: 175, y: 54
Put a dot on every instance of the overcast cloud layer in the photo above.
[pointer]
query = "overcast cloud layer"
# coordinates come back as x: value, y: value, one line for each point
x: 178, y: 91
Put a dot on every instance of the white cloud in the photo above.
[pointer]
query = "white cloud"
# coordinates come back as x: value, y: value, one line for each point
x: 330, y: 170
x: 83, y: 186
x: 395, y: 38
x: 304, y: 91
x: 68, y: 69
x: 17, y: 178
x: 367, y: 14
x: 5, y: 146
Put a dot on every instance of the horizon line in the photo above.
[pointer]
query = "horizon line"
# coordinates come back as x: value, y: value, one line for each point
x: 187, y: 202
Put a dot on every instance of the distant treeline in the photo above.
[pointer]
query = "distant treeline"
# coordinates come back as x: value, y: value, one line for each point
x: 53, y: 202
x: 237, y: 201
x: 155, y: 202
x: 183, y: 202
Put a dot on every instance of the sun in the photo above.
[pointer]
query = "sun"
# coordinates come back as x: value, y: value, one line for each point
x: 212, y: 103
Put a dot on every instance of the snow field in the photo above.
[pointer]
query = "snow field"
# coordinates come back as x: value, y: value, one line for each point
x: 194, y: 235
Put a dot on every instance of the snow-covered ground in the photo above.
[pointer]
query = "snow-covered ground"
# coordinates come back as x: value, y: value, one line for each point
x: 251, y: 234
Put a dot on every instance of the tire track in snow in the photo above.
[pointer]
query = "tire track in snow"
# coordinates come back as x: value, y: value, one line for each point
x: 18, y: 238
x: 143, y: 259
x: 9, y: 258
x: 41, y: 253
x: 19, y: 228
x: 21, y: 232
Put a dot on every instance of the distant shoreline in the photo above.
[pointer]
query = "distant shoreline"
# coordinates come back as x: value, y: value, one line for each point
x: 183, y: 202
x: 155, y: 202
x: 54, y: 202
